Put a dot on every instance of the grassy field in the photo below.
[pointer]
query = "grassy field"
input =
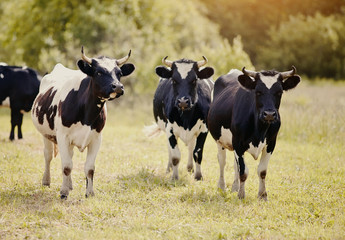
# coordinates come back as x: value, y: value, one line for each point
x: 136, y: 199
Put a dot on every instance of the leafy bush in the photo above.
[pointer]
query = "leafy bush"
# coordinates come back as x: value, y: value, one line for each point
x: 315, y: 45
x: 42, y: 33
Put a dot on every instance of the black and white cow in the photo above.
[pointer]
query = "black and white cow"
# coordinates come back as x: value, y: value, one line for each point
x: 244, y: 117
x: 20, y: 85
x: 180, y: 108
x: 70, y: 111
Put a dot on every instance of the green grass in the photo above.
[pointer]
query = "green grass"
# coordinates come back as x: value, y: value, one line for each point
x: 136, y: 199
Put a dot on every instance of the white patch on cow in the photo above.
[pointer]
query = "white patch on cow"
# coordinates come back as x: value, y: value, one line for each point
x: 3, y: 64
x: 268, y: 80
x: 225, y: 138
x: 2, y: 75
x: 62, y: 79
x: 99, y: 105
x: 161, y: 124
x: 6, y: 102
x: 108, y: 64
x: 184, y: 68
x: 255, y: 151
x: 187, y: 135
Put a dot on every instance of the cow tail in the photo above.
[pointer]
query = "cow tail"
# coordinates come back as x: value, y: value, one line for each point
x: 152, y: 131
x: 56, y: 150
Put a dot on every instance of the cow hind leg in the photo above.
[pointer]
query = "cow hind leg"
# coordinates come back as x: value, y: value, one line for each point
x: 89, y: 167
x: 19, y: 125
x: 48, y: 156
x: 262, y: 170
x: 66, y: 153
x: 222, y: 161
x: 197, y: 154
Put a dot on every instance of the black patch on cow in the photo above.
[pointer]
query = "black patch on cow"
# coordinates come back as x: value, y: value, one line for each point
x: 51, y: 138
x: 67, y: 171
x: 81, y: 106
x: 199, y: 147
x: 172, y: 139
x: 175, y: 161
x: 44, y: 107
x: 263, y: 174
x: 270, y: 73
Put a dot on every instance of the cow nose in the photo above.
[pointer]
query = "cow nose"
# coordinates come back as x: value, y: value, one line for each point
x: 183, y: 103
x: 270, y: 115
x: 118, y: 89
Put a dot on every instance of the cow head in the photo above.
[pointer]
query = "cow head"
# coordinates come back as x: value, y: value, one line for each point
x: 184, y: 75
x: 268, y: 87
x: 105, y: 74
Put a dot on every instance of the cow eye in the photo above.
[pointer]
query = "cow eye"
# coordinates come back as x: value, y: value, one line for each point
x: 173, y: 81
x: 99, y: 74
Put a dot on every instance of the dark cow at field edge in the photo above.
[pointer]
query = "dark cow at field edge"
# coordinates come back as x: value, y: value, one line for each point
x: 20, y: 85
x: 180, y: 106
x: 244, y: 117
x: 70, y: 110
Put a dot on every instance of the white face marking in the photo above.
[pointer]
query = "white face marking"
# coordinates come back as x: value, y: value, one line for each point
x: 255, y: 151
x: 184, y: 68
x: 2, y: 75
x: 225, y: 138
x: 108, y: 64
x: 268, y: 80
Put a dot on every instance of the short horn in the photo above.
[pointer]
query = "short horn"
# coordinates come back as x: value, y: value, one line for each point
x: 288, y: 73
x: 124, y: 59
x: 249, y: 73
x: 167, y: 62
x: 202, y: 62
x: 84, y: 57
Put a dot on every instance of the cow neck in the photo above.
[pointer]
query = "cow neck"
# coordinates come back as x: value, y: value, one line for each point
x: 92, y: 104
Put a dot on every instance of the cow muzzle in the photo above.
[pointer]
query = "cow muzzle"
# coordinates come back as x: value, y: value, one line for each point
x: 183, y: 103
x: 117, y: 91
x: 269, y: 116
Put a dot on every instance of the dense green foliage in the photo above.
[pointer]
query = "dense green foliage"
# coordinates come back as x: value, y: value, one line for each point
x: 42, y: 33
x: 278, y: 33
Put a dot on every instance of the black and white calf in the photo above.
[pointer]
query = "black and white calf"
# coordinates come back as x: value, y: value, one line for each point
x: 70, y: 111
x: 180, y: 108
x: 244, y: 117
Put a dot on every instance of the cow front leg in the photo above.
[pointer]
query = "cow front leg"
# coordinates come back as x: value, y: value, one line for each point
x: 19, y: 125
x: 89, y: 167
x: 191, y: 147
x: 66, y: 153
x: 242, y: 174
x: 175, y: 155
x: 262, y: 171
x: 222, y: 161
x: 48, y: 156
x: 197, y: 154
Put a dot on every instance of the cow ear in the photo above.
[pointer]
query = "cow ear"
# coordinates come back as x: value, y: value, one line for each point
x: 247, y: 82
x: 291, y: 82
x: 207, y: 72
x: 85, y: 68
x: 163, y: 72
x: 127, y: 69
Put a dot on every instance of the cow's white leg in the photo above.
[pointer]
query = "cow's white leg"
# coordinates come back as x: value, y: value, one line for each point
x: 66, y: 153
x: 242, y: 173
x: 222, y: 161
x: 191, y: 147
x: 262, y: 170
x: 48, y: 156
x: 236, y: 183
x: 89, y: 167
x: 169, y: 167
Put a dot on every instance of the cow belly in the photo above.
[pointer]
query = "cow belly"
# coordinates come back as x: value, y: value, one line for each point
x: 187, y: 135
x: 225, y: 138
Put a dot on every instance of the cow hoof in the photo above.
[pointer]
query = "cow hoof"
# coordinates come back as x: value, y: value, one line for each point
x: 198, y: 176
x: 235, y: 187
x: 221, y: 185
x: 47, y: 184
x: 263, y: 196
x: 241, y: 195
x: 190, y: 169
x: 63, y: 197
x: 91, y: 194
